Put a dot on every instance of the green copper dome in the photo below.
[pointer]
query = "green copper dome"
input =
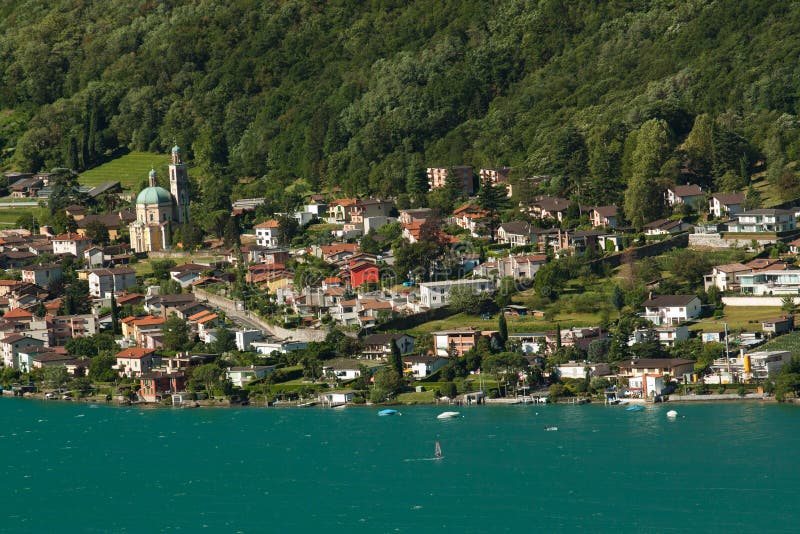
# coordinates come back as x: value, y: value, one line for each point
x: 154, y: 195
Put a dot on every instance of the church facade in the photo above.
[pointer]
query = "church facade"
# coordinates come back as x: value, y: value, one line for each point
x: 157, y: 209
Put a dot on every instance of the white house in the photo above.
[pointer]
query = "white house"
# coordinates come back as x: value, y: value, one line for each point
x: 245, y: 338
x: 725, y: 277
x: 268, y: 233
x: 530, y: 343
x: 774, y: 280
x: 344, y: 369
x: 671, y: 309
x: 726, y: 204
x: 336, y: 398
x: 105, y: 281
x: 691, y: 195
x: 267, y: 347
x: 239, y: 376
x: 436, y: 294
x: 666, y: 335
x: 516, y: 233
x: 70, y: 243
x: 521, y: 266
x: 579, y: 369
x: 665, y: 227
x: 422, y: 366
x: 12, y: 344
x: 763, y: 220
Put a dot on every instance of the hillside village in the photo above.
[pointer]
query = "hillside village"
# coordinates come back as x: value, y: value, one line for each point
x: 471, y: 292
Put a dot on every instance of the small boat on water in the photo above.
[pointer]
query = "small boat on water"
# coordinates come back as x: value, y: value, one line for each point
x: 306, y: 404
x: 448, y: 415
x: 672, y: 414
x: 551, y: 429
x: 437, y: 452
x: 388, y: 412
x: 634, y: 408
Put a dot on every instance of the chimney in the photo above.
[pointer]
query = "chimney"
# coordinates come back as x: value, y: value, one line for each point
x: 650, y: 296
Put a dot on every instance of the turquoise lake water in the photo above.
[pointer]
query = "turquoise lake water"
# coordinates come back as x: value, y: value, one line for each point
x: 82, y: 468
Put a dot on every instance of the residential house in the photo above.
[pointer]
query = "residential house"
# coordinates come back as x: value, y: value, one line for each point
x: 378, y: 346
x: 545, y: 207
x: 665, y: 227
x: 763, y: 220
x: 472, y: 218
x: 51, y: 359
x: 274, y: 345
x: 436, y: 294
x: 159, y: 304
x: 363, y: 272
x: 516, y: 233
x: 778, y: 325
x: 691, y: 195
x: 437, y: 177
x: 339, y: 210
x: 578, y: 370
x: 420, y: 366
x: 501, y: 175
x: 576, y: 241
x: 116, y: 223
x: 603, y: 216
x: 16, y: 259
x: 414, y: 215
x: 348, y: 369
x: 370, y: 208
x: 673, y: 367
x: 722, y: 205
x: 671, y: 309
x: 25, y: 356
x: 12, y: 344
x: 62, y: 328
x: 244, y: 338
x: 135, y: 361
x: 336, y: 252
x: 188, y: 272
x: 18, y: 315
x: 455, y: 342
x: 520, y: 267
x: 240, y: 376
x: 135, y: 328
x: 42, y: 275
x: 725, y: 277
x: 268, y: 233
x: 155, y: 386
x: 103, y: 282
x: 775, y: 279
x: 70, y: 243
x: 666, y: 335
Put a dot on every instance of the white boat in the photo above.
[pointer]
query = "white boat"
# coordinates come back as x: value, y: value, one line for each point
x: 672, y: 414
x: 551, y: 429
x: 448, y: 415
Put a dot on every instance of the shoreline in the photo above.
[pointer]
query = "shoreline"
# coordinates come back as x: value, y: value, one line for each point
x: 687, y: 399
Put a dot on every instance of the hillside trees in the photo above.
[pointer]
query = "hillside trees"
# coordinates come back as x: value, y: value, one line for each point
x: 644, y: 198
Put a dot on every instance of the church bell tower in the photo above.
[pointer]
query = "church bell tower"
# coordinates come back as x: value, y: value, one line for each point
x: 179, y: 187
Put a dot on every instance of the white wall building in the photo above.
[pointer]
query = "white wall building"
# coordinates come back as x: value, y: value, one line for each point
x: 245, y: 338
x: 436, y: 294
x: 671, y: 309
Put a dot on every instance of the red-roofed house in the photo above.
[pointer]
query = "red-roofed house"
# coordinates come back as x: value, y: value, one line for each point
x: 135, y: 361
x: 18, y: 315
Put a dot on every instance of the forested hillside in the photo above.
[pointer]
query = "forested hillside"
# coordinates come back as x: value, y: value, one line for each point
x: 364, y: 94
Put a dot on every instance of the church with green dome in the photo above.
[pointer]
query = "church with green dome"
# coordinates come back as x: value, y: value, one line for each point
x: 157, y: 209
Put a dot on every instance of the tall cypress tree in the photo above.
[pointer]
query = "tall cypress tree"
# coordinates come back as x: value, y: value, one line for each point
x: 395, y: 362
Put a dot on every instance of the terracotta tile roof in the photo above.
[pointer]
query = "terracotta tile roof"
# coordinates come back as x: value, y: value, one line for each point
x: 272, y: 223
x: 69, y: 236
x: 135, y: 353
x: 17, y: 313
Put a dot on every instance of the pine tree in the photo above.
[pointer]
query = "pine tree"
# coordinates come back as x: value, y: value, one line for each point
x: 492, y: 198
x: 644, y: 200
x: 395, y: 361
x: 617, y: 298
x: 502, y: 327
x: 558, y: 336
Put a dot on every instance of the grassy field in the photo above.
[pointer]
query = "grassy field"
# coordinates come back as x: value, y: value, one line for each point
x: 129, y: 170
x: 9, y: 216
x: 515, y: 324
x: 738, y: 318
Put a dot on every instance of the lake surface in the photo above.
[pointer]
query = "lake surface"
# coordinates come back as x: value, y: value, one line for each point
x: 86, y: 468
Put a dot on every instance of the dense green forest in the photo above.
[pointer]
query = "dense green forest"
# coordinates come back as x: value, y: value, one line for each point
x: 363, y: 94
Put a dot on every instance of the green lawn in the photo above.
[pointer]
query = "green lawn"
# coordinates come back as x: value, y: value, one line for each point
x: 129, y: 170
x: 9, y: 216
x: 739, y: 318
